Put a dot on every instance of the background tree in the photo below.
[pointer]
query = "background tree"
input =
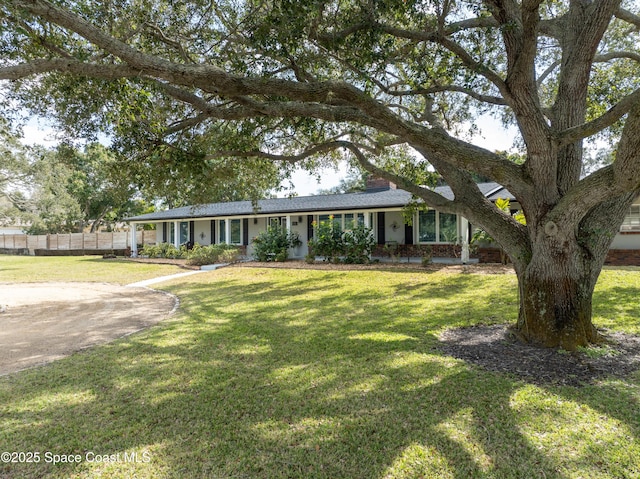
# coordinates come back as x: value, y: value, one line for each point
x: 292, y: 81
x: 15, y: 169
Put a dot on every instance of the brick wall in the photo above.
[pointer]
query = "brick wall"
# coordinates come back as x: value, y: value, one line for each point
x: 623, y: 257
x: 489, y: 255
x: 417, y: 250
x: 379, y: 184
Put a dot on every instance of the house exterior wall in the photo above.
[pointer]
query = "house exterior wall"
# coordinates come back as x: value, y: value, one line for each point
x: 202, y: 232
x: 626, y: 240
x: 394, y: 218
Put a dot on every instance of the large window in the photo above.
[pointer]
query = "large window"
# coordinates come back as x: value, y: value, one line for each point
x: 277, y: 221
x: 435, y: 227
x: 632, y: 220
x: 345, y: 221
x: 448, y: 228
x: 351, y: 220
x: 427, y: 226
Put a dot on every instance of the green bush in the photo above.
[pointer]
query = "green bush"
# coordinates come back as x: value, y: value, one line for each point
x: 164, y: 250
x: 328, y: 240
x: 199, y: 255
x: 274, y: 244
x: 215, y: 253
x: 358, y: 243
x: 351, y: 246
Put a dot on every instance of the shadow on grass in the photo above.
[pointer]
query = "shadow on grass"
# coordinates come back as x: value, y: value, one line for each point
x: 273, y: 378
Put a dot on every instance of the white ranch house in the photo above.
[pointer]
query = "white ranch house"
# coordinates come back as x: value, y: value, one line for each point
x: 379, y: 207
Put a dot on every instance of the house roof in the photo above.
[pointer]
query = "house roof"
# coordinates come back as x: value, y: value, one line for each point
x: 391, y: 198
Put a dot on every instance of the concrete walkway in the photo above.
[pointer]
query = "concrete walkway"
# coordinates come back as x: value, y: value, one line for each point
x: 162, y: 279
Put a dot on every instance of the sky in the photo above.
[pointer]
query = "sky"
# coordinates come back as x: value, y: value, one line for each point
x: 494, y: 137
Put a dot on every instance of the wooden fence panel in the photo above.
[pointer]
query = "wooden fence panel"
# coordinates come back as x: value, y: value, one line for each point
x: 90, y: 241
x: 20, y: 241
x: 120, y: 240
x: 76, y: 241
x: 64, y: 241
x: 105, y: 241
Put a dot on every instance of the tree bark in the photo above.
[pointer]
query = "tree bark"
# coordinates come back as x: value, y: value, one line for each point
x: 555, y: 303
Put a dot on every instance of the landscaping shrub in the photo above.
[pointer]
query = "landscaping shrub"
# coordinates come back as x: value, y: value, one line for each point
x: 215, y: 253
x: 352, y: 246
x: 198, y: 255
x: 274, y: 244
x: 358, y: 245
x: 164, y: 250
x: 328, y: 240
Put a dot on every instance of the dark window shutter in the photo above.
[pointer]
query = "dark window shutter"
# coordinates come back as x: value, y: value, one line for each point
x: 192, y: 231
x: 213, y: 231
x: 381, y: 236
x: 245, y: 231
x: 164, y: 232
x: 309, y: 227
x: 408, y: 234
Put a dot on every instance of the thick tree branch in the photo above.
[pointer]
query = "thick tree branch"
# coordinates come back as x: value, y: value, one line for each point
x: 67, y: 65
x: 605, y: 120
x: 628, y: 17
x: 493, y: 100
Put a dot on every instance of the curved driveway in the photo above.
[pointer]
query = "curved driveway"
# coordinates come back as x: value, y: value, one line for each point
x: 41, y: 322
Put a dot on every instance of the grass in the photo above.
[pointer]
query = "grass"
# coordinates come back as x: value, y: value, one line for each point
x: 27, y: 269
x: 269, y: 373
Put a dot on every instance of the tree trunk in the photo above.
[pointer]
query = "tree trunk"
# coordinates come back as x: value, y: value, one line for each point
x: 556, y: 290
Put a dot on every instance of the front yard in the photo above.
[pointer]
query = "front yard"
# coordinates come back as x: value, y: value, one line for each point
x: 268, y: 373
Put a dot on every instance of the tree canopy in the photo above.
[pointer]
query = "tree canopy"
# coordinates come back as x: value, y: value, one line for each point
x: 397, y: 84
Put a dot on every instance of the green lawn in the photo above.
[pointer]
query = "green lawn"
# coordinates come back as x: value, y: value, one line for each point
x: 78, y: 268
x: 268, y: 373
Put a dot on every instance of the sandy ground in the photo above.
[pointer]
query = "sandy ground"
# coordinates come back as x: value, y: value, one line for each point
x: 41, y: 322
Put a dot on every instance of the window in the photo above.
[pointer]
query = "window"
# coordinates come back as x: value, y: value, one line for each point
x: 277, y: 221
x: 337, y: 220
x: 632, y: 220
x: 448, y: 228
x: 351, y: 220
x: 427, y: 226
x: 236, y: 232
x: 434, y: 226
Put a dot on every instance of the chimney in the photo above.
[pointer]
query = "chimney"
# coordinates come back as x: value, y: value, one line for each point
x: 379, y: 184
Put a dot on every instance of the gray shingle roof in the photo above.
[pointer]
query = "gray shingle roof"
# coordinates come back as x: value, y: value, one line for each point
x: 301, y: 204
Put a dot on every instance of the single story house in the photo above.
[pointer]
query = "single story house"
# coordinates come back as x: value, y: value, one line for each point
x: 379, y: 207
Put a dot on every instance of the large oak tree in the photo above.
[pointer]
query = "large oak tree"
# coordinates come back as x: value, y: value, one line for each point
x: 289, y: 81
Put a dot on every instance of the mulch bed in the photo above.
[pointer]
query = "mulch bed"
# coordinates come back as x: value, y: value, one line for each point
x: 495, y: 349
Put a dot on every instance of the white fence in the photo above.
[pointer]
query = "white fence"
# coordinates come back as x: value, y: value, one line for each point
x: 76, y: 241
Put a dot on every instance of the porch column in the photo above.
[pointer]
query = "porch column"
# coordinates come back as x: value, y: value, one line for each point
x: 134, y: 240
x: 227, y: 231
x: 288, y: 229
x: 176, y: 234
x: 464, y: 227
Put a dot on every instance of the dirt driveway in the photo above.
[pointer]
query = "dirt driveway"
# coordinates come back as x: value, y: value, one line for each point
x: 41, y: 322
